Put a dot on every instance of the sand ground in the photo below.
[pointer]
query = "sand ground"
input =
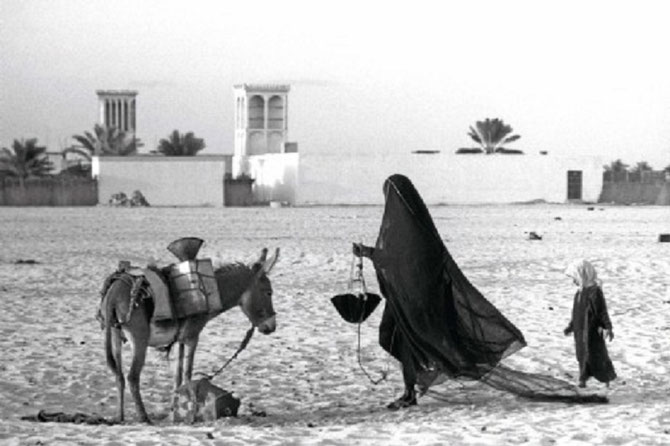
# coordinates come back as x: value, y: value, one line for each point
x: 305, y: 376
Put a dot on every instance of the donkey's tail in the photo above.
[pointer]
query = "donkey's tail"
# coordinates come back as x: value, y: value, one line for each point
x: 109, y: 355
x: 108, y: 320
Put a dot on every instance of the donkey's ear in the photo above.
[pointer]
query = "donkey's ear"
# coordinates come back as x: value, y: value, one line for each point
x: 269, y: 263
x: 264, y: 255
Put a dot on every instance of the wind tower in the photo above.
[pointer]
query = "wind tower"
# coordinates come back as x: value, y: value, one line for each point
x: 261, y: 119
x: 262, y: 154
x: 117, y: 109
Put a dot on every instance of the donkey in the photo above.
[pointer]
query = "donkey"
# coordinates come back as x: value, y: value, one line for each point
x: 238, y: 284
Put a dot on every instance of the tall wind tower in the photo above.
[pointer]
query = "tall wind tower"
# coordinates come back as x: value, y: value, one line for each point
x: 117, y: 109
x: 261, y: 119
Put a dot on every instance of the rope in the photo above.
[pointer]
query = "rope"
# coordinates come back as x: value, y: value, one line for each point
x: 384, y: 373
x: 357, y: 276
x: 243, y: 345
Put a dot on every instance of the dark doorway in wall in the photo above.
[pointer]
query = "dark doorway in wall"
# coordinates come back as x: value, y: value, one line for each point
x: 238, y: 191
x: 574, y: 184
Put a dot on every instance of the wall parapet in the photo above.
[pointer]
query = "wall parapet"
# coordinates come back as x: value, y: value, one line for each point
x: 635, y: 193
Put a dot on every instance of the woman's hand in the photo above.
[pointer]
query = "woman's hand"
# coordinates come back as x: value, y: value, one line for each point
x: 608, y: 334
x: 360, y: 250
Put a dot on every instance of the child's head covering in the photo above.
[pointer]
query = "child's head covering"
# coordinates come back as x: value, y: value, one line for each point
x: 584, y: 273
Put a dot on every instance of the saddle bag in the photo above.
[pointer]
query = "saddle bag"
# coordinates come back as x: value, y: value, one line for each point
x: 194, y: 288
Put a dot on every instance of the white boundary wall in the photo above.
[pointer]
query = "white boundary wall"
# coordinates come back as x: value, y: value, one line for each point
x: 445, y: 178
x: 164, y: 181
x: 329, y: 179
x: 275, y: 175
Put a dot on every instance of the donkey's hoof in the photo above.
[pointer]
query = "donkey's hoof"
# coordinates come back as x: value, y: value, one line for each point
x: 402, y: 403
x: 116, y: 420
x: 144, y: 418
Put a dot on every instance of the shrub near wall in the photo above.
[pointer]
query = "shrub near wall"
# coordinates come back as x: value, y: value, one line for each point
x: 49, y: 192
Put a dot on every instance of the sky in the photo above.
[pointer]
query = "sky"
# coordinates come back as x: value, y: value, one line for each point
x: 585, y: 77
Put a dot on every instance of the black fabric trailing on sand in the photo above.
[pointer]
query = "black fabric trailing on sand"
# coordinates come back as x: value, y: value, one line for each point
x: 538, y: 387
x: 62, y: 417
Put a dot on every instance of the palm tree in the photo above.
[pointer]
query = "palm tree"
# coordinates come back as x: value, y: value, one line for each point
x: 617, y: 170
x: 638, y: 169
x: 641, y: 167
x: 177, y: 144
x: 105, y: 141
x: 616, y: 166
x: 491, y: 134
x: 27, y: 160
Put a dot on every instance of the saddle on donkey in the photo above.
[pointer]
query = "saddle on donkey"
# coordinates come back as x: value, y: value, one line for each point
x: 177, y: 291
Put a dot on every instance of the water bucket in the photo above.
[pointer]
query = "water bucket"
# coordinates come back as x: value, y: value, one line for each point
x: 355, y: 308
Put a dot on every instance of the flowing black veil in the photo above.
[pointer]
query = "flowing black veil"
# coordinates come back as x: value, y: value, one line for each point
x: 435, y: 318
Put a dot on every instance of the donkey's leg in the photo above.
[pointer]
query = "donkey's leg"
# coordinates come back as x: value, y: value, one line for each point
x: 194, y: 406
x: 177, y: 379
x: 191, y: 345
x: 115, y: 365
x: 140, y: 343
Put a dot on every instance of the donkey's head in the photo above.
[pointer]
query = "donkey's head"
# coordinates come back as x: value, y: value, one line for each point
x: 256, y: 301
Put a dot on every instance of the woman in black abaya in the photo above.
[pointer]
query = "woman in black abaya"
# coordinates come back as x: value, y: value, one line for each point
x: 435, y: 322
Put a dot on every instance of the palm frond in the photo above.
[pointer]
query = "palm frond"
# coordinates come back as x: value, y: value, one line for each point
x: 6, y: 153
x: 81, y: 151
x: 86, y: 141
x: 475, y: 136
x: 28, y: 159
x: 177, y: 144
x: 511, y: 138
